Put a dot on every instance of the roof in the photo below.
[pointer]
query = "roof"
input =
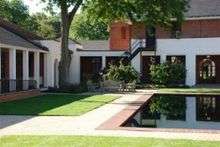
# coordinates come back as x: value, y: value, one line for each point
x: 95, y: 45
x: 9, y: 38
x: 71, y: 41
x: 203, y: 8
x: 12, y: 34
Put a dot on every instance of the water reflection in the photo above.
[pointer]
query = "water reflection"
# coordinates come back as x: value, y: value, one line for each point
x: 175, y: 111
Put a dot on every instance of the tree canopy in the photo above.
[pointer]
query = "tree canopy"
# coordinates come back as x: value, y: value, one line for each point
x: 47, y: 26
x: 15, y: 11
x: 151, y: 12
x: 84, y: 28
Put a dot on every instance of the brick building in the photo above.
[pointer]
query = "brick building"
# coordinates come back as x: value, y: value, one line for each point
x: 195, y: 43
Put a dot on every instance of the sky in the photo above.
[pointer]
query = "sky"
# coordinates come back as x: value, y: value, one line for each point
x: 37, y: 6
x: 34, y: 5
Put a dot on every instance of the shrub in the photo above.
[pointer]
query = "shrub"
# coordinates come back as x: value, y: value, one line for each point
x: 124, y: 73
x: 166, y: 74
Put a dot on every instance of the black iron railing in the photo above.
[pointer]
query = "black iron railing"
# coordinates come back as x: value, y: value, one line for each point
x: 7, y: 86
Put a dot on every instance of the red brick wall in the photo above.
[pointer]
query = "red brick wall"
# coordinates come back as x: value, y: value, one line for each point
x: 118, y: 40
x: 195, y: 29
x: 138, y: 31
x: 190, y: 29
x: 19, y: 95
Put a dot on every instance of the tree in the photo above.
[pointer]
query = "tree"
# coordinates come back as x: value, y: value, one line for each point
x: 68, y: 10
x: 15, y: 11
x: 152, y: 12
x: 84, y: 28
x: 48, y: 26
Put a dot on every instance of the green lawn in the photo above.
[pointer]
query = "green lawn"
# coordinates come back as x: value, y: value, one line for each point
x: 189, y: 90
x: 83, y: 141
x: 51, y: 104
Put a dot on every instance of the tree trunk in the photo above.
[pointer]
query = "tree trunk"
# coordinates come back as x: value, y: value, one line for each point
x: 65, y: 52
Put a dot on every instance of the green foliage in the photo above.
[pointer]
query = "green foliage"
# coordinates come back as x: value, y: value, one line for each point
x: 173, y: 107
x: 48, y: 26
x: 168, y: 74
x: 84, y: 28
x: 15, y: 11
x: 125, y: 73
x: 160, y: 74
x: 152, y: 12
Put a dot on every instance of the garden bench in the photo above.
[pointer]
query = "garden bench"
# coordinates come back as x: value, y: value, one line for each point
x: 110, y: 85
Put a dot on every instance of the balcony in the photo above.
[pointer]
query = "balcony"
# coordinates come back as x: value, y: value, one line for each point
x: 8, y: 85
x: 148, y: 44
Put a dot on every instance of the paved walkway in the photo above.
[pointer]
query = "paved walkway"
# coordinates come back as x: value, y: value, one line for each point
x: 87, y: 124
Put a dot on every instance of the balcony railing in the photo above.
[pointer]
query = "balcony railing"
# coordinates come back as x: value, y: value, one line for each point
x: 7, y: 86
x: 148, y: 44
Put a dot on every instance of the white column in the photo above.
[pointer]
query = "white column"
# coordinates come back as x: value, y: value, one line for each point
x: 191, y: 111
x: 46, y: 70
x: 25, y: 69
x: 136, y: 63
x: 12, y: 69
x: 163, y: 58
x: 190, y: 69
x: 37, y: 68
x: 103, y: 62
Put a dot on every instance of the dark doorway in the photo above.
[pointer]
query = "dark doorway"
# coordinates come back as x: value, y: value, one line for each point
x: 19, y: 70
x: 41, y: 70
x: 90, y: 67
x: 147, y: 61
x: 31, y: 64
x: 4, y: 70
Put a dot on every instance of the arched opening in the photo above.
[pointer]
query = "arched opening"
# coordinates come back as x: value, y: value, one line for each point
x: 207, y: 70
x: 56, y: 73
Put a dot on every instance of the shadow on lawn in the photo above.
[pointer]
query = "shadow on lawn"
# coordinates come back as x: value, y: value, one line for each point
x: 29, y: 108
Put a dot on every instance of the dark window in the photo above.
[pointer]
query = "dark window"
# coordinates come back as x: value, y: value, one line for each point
x: 176, y: 59
x: 123, y: 33
x: 176, y: 30
x: 151, y: 38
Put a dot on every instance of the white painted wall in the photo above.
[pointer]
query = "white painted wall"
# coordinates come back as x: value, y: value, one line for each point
x: 190, y: 47
x: 75, y: 64
x: 136, y: 62
x: 55, y: 53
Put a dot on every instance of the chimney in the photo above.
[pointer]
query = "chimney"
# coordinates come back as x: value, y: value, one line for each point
x: 120, y: 36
